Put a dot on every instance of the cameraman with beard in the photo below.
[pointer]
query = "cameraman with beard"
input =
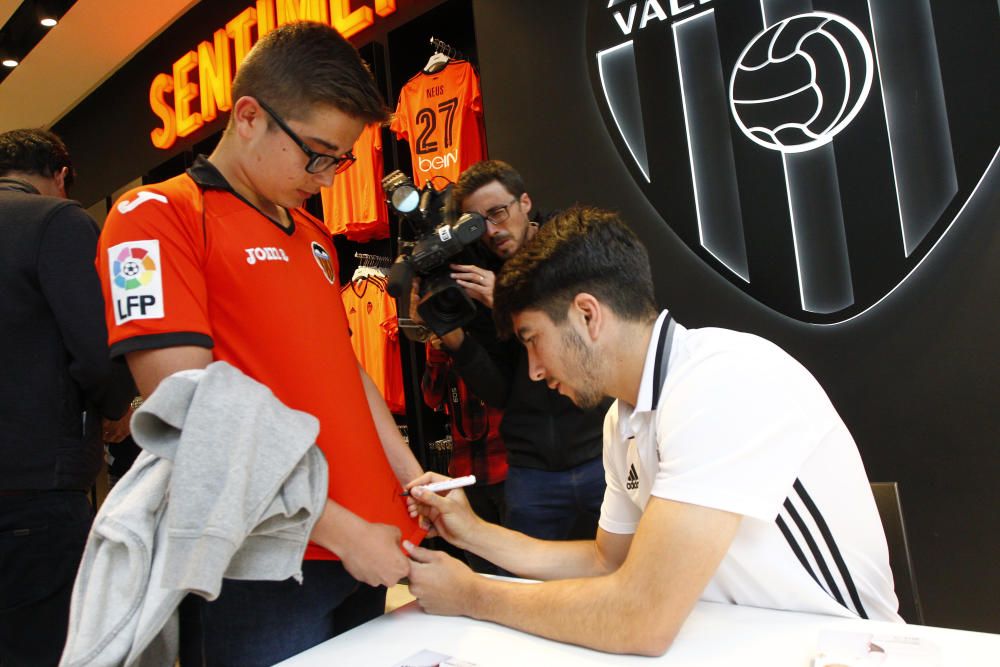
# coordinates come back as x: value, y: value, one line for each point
x: 555, y: 480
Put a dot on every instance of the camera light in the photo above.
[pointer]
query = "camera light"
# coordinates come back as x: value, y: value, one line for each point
x: 403, y: 195
x: 405, y: 198
x: 49, y: 22
x: 9, y: 62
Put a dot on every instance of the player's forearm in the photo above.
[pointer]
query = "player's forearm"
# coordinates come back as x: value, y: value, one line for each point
x: 602, y: 613
x: 535, y: 559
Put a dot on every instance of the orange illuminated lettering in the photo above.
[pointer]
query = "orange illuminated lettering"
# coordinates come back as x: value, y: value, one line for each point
x: 216, y: 61
x: 289, y: 11
x: 163, y: 137
x: 184, y: 92
x: 239, y: 31
x: 322, y: 11
x: 215, y: 72
x: 347, y: 22
x: 265, y: 17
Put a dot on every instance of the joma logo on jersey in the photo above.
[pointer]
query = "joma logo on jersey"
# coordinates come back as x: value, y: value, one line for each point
x: 812, y: 153
x: 255, y: 255
x: 126, y: 206
x: 438, y: 162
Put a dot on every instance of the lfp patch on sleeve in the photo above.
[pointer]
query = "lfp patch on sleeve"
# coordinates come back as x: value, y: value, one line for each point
x: 136, y: 280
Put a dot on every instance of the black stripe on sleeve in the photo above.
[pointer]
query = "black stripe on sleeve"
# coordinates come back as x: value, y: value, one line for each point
x: 659, y: 361
x: 783, y: 527
x: 156, y: 341
x: 814, y: 548
x: 832, y: 546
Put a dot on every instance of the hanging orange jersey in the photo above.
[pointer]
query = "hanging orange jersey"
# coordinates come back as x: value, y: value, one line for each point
x: 371, y: 315
x: 440, y: 115
x: 355, y: 204
x: 393, y: 392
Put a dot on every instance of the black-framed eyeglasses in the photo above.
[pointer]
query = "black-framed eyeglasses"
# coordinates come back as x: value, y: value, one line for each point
x: 318, y: 162
x: 499, y: 215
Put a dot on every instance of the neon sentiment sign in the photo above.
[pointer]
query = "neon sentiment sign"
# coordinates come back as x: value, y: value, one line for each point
x: 213, y: 63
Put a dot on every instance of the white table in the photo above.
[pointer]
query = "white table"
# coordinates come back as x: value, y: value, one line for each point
x: 715, y: 635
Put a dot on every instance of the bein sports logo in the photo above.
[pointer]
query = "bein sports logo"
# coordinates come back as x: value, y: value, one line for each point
x: 812, y: 159
x: 793, y: 89
x: 133, y: 268
x: 429, y: 165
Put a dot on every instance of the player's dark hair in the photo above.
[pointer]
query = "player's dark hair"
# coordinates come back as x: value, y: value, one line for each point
x: 303, y: 64
x: 34, y: 151
x: 581, y: 249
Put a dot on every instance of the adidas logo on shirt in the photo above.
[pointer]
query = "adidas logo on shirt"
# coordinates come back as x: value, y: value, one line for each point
x: 633, y: 479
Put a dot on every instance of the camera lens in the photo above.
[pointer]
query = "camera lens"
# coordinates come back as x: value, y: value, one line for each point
x: 448, y: 305
x: 445, y: 305
x: 448, y: 299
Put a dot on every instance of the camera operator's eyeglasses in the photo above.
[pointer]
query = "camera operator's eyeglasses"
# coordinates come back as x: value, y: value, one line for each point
x: 499, y: 215
x: 318, y: 162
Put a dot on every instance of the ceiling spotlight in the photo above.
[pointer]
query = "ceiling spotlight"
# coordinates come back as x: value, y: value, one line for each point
x: 9, y: 62
x: 49, y: 22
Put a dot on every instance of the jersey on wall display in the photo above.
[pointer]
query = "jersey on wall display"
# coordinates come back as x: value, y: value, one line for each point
x: 813, y: 152
x: 354, y: 205
x: 440, y: 115
x: 371, y: 315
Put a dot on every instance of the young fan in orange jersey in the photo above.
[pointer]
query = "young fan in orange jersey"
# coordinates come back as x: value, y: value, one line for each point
x: 237, y: 271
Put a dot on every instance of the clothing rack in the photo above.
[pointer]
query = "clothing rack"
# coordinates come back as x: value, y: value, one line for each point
x: 440, y: 46
x: 373, y: 261
x: 439, y: 454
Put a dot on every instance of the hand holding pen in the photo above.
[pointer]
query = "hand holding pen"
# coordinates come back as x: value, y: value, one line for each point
x: 448, y: 515
x: 446, y: 485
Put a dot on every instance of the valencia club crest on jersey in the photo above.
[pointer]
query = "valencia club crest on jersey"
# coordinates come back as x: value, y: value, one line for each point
x: 322, y: 258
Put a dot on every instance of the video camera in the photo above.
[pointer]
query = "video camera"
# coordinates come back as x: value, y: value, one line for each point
x: 436, y: 243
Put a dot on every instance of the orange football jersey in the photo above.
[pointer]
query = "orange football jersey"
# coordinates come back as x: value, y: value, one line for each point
x: 355, y: 204
x: 189, y: 262
x: 371, y: 314
x: 440, y: 115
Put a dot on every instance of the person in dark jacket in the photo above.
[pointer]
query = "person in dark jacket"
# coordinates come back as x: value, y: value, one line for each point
x: 555, y: 479
x: 57, y: 384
